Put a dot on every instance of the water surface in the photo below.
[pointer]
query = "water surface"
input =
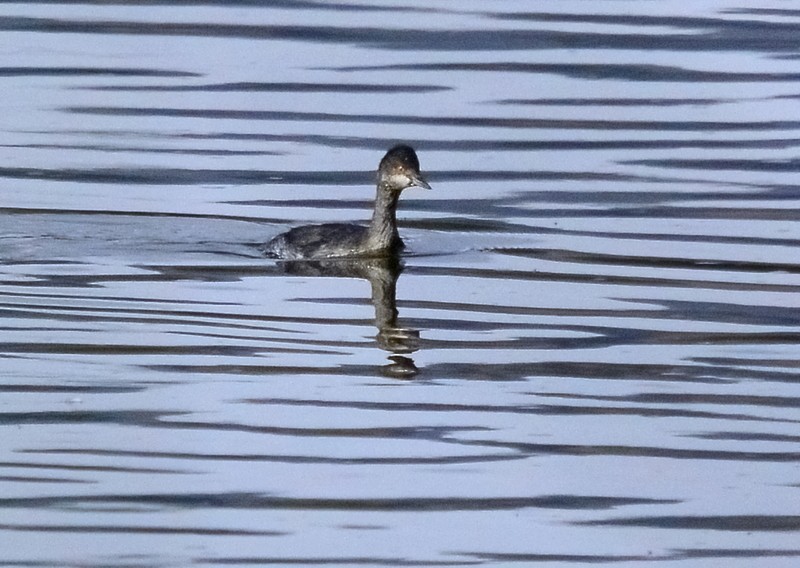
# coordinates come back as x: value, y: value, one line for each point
x: 588, y: 353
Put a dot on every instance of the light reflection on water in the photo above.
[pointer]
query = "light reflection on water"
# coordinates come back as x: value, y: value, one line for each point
x: 587, y: 355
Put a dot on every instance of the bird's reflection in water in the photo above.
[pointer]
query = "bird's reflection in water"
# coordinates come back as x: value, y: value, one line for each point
x: 382, y: 274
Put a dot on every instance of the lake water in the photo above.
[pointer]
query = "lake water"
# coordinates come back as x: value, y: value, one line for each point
x: 588, y: 354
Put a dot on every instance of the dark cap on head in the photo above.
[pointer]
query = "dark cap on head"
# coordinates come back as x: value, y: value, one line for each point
x: 402, y: 156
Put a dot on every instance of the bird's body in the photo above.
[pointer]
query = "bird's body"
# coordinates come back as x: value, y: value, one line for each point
x: 328, y: 240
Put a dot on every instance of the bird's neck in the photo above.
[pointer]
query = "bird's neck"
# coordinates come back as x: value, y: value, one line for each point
x: 383, y: 227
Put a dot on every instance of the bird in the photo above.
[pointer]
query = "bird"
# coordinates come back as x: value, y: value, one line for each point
x: 398, y: 170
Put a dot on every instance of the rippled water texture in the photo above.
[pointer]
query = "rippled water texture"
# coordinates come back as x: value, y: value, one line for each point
x: 588, y: 353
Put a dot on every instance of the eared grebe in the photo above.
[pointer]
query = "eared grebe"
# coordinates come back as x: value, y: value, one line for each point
x: 398, y: 170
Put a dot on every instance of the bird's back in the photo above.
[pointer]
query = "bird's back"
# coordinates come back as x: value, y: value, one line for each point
x: 329, y: 240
